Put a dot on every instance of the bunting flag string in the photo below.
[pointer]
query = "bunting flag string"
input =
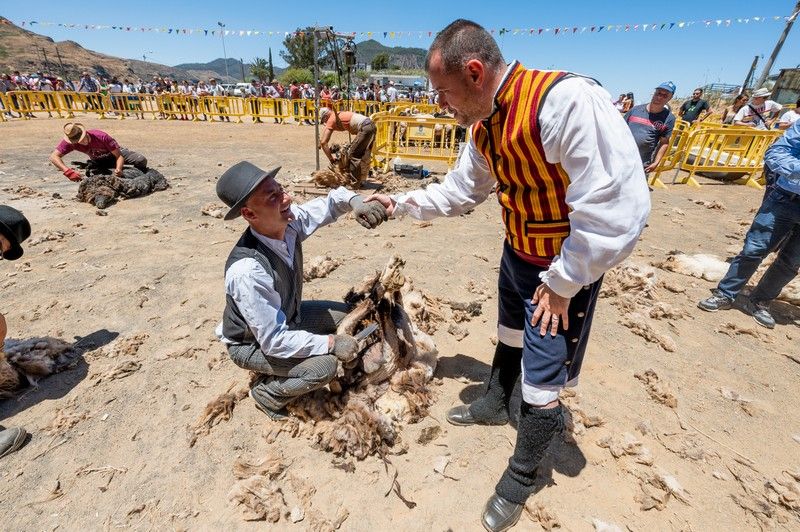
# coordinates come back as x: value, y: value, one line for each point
x: 388, y: 34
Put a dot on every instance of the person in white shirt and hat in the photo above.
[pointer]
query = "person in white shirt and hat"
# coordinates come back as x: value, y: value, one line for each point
x: 760, y: 113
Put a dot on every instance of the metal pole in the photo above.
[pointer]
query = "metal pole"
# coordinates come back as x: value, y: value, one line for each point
x: 224, y: 53
x: 778, y: 46
x: 46, y: 62
x: 61, y: 63
x: 241, y: 64
x: 316, y: 94
x: 749, y: 75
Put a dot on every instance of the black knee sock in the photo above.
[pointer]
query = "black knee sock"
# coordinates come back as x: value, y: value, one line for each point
x: 506, y: 367
x: 536, y: 428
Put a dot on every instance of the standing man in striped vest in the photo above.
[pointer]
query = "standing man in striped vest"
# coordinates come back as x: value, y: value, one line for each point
x: 574, y: 201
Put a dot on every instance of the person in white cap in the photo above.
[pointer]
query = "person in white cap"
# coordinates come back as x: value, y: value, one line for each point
x: 760, y: 113
x: 391, y: 92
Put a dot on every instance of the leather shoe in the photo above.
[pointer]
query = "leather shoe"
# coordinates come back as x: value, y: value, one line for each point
x: 274, y: 415
x: 11, y: 440
x: 500, y: 514
x: 460, y: 415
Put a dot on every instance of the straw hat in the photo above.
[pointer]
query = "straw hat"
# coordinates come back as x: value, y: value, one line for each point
x: 74, y: 132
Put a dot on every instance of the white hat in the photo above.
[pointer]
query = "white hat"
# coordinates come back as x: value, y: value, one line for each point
x: 761, y: 93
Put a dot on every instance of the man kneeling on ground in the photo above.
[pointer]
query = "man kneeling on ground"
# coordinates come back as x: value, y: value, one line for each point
x: 102, y: 149
x: 267, y: 327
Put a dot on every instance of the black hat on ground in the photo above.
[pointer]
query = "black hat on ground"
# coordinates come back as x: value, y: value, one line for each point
x: 238, y: 182
x: 15, y: 227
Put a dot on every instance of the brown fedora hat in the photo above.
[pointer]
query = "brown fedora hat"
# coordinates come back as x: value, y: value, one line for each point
x: 74, y: 132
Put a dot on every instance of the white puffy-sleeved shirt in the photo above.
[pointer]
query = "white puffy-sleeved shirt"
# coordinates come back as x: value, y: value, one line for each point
x: 253, y: 289
x: 608, y: 196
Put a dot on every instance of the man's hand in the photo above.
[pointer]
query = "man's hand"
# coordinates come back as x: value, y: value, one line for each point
x: 118, y: 173
x: 551, y: 310
x: 387, y: 202
x: 369, y: 214
x: 650, y: 167
x: 72, y: 175
x: 345, y: 347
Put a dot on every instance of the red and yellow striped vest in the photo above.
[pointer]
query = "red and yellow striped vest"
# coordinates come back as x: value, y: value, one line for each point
x: 530, y: 190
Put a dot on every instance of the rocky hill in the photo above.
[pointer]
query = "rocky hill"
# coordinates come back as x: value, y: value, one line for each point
x: 403, y: 57
x: 27, y: 51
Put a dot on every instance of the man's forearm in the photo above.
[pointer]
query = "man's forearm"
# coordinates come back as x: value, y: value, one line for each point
x: 58, y: 162
x: 662, y: 150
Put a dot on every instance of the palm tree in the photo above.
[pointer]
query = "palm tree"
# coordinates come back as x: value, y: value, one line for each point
x: 259, y: 68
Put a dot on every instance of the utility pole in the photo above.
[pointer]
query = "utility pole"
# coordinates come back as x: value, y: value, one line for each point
x: 778, y: 46
x: 241, y: 63
x: 316, y: 89
x: 224, y: 53
x: 749, y: 75
x: 63, y: 72
x: 46, y: 62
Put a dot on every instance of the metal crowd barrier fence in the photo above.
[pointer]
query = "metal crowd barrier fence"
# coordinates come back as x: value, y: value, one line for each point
x: 275, y: 108
x: 722, y: 151
x: 180, y: 106
x: 426, y: 139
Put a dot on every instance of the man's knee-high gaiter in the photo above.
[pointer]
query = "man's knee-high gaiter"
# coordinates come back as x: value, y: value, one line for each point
x: 506, y: 367
x: 535, y: 429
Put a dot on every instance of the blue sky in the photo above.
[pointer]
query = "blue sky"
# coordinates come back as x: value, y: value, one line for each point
x: 633, y: 61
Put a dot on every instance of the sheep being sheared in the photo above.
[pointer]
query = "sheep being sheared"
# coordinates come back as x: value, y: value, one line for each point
x: 103, y: 190
x: 371, y: 398
x: 24, y: 362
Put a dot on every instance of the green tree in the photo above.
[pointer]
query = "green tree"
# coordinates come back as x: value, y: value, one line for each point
x: 271, y: 69
x: 259, y: 68
x: 380, y: 61
x: 362, y: 76
x: 330, y: 79
x: 299, y: 46
x: 300, y: 75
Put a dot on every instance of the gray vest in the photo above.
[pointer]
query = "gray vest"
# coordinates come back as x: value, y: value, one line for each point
x: 288, y: 283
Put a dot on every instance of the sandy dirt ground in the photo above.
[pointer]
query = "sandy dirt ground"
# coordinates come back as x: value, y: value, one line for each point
x: 708, y: 440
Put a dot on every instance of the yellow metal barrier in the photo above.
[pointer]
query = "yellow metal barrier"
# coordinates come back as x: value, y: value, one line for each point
x: 674, y: 154
x: 275, y: 108
x: 179, y: 106
x: 718, y: 149
x: 427, y: 139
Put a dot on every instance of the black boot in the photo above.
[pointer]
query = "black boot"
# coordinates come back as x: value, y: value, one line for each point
x: 536, y: 429
x: 493, y: 407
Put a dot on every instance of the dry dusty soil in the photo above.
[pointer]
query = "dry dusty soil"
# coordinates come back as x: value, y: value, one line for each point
x: 709, y: 439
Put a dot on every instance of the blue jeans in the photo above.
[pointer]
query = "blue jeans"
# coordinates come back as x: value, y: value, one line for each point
x: 775, y: 227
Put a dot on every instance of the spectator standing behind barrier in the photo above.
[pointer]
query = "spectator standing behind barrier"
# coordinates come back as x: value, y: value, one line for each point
x: 266, y: 326
x: 90, y: 85
x: 101, y: 148
x: 776, y: 226
x: 760, y: 113
x: 6, y: 85
x: 391, y: 92
x: 14, y: 229
x: 729, y: 113
x: 578, y: 214
x: 652, y: 124
x: 619, y: 105
x: 790, y: 116
x: 628, y: 102
x: 695, y: 109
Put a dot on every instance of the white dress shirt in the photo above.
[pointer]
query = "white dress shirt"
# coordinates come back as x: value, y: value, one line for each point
x: 253, y: 289
x: 608, y: 197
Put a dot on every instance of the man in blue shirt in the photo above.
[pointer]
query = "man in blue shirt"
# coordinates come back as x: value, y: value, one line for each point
x: 651, y: 125
x: 775, y: 227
